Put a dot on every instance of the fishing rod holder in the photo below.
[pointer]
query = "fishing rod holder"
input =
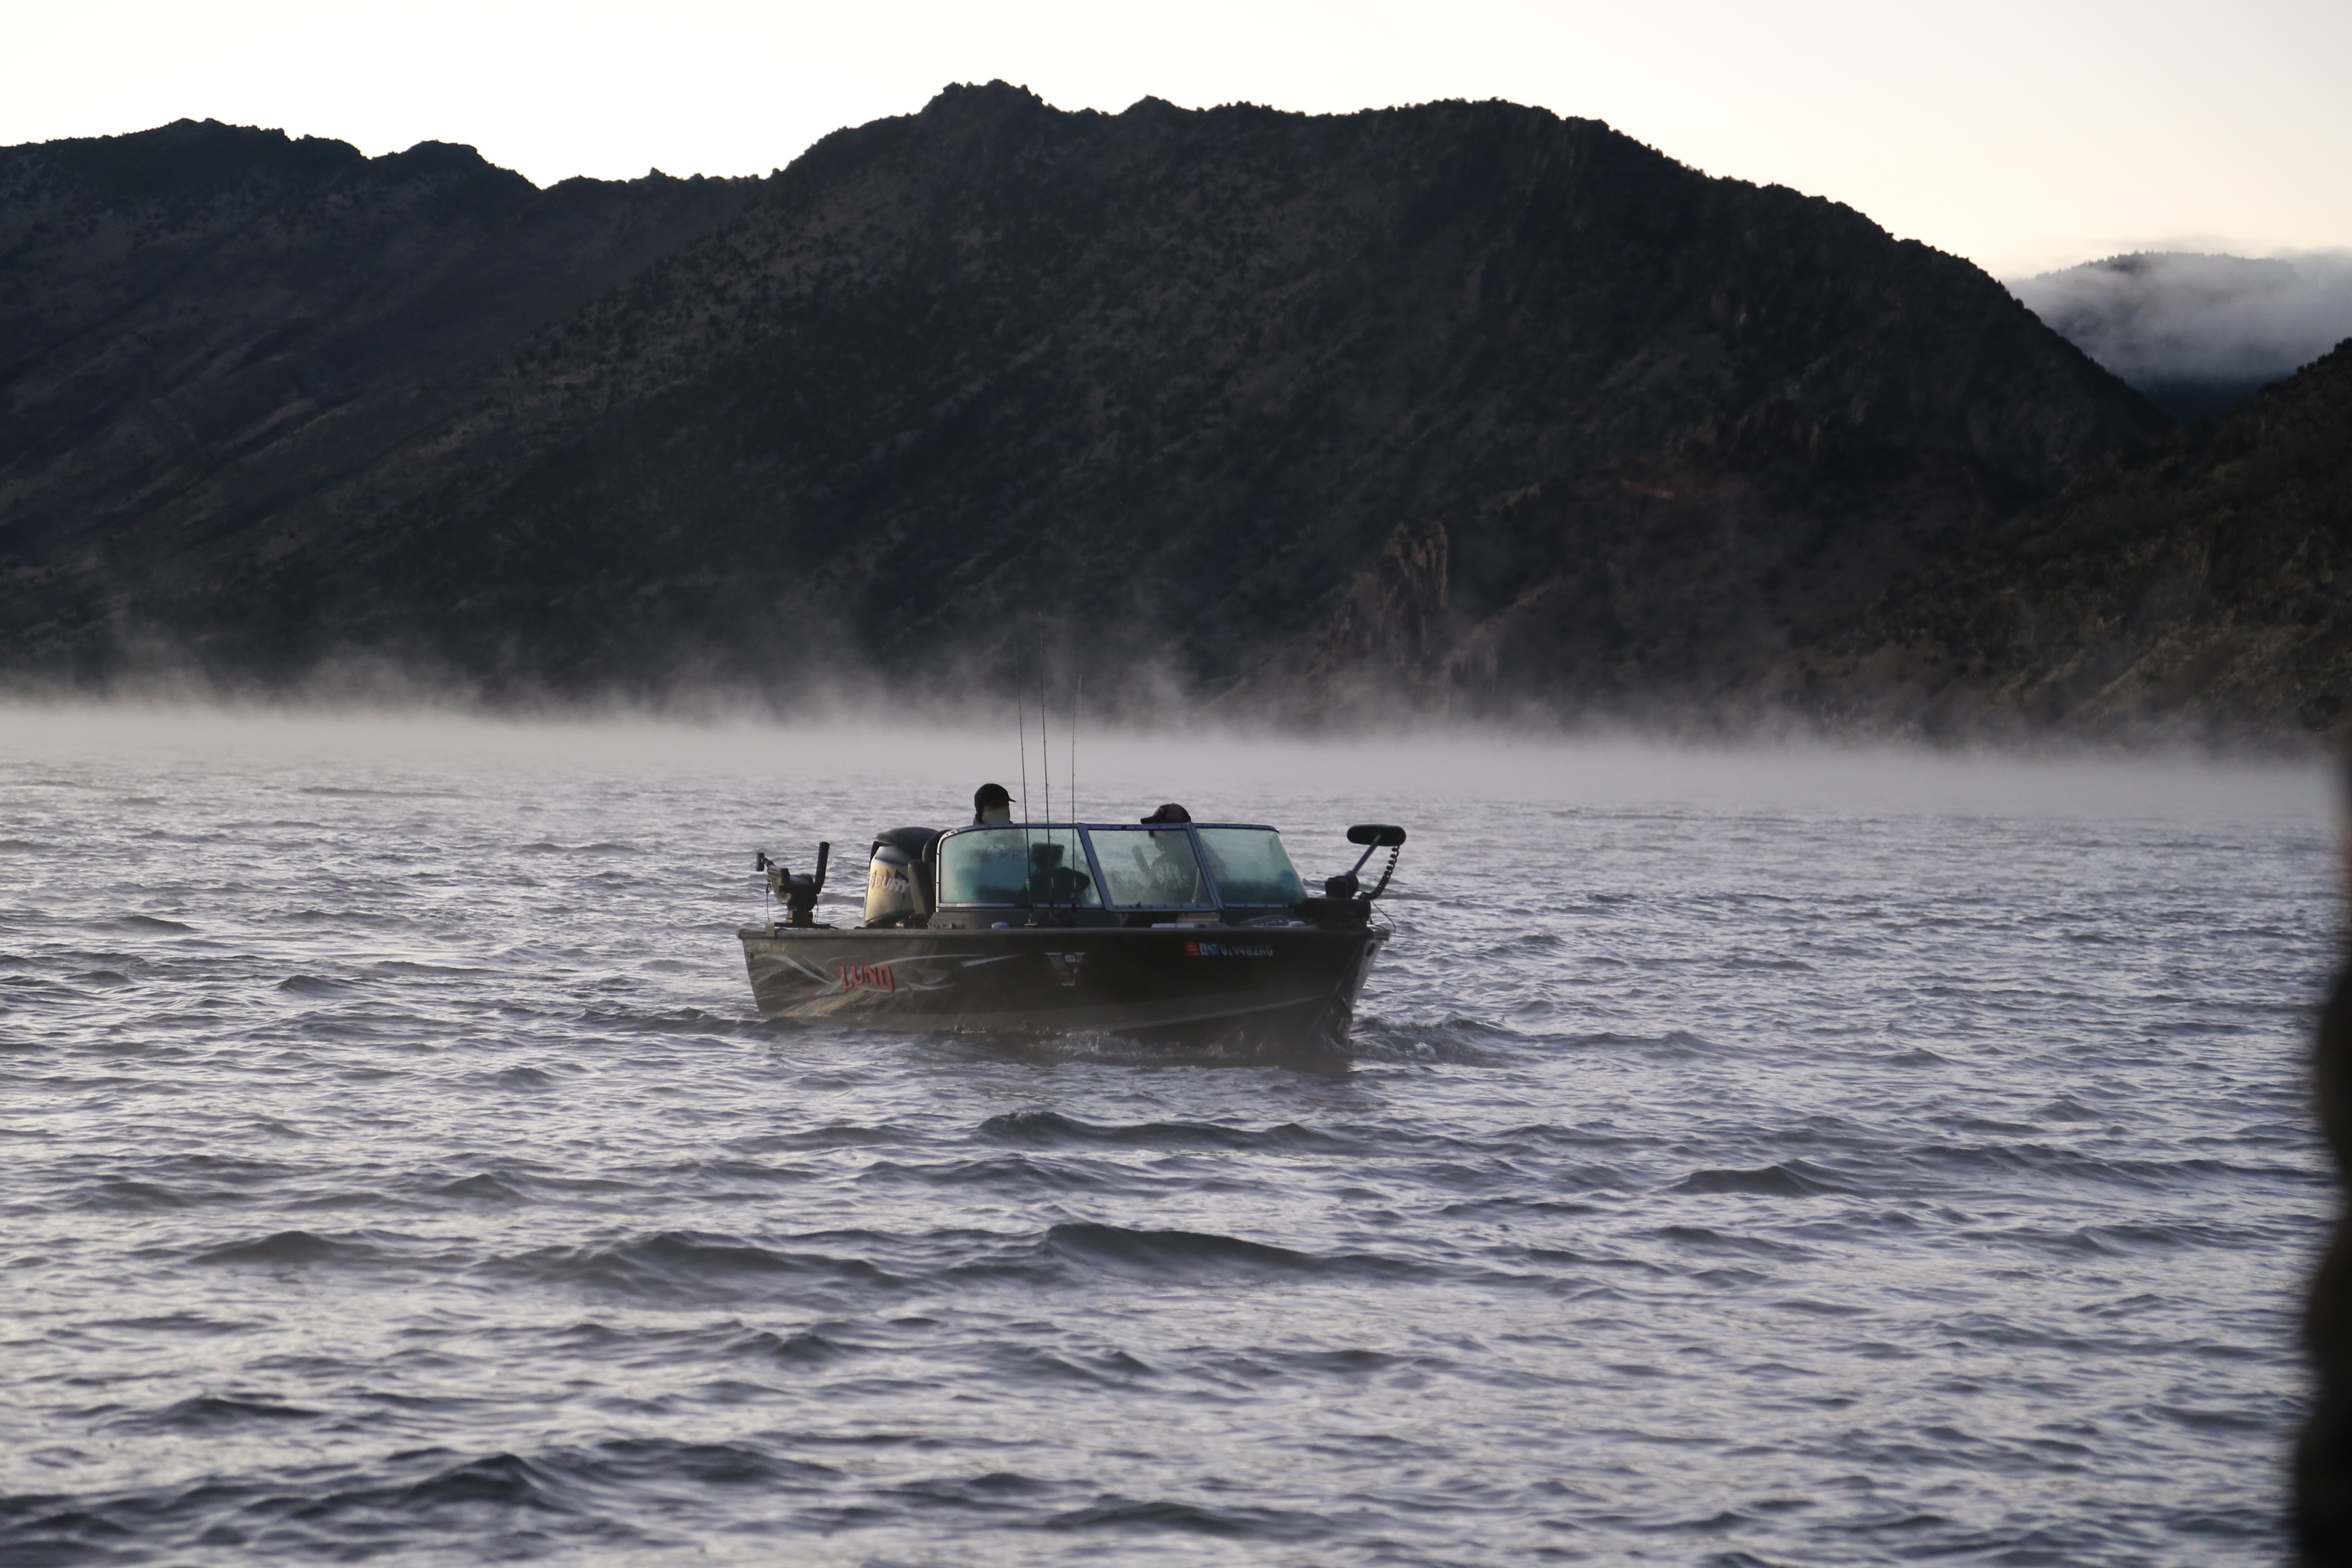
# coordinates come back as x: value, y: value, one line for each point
x: 797, y: 894
x: 1344, y: 901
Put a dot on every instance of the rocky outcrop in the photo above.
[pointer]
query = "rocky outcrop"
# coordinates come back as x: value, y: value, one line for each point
x: 1717, y: 582
x: 2200, y: 584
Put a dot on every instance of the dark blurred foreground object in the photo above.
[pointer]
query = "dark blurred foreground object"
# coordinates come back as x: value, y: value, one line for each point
x: 2323, y: 1458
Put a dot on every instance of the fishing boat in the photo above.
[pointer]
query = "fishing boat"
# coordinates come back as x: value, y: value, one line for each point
x: 1166, y: 929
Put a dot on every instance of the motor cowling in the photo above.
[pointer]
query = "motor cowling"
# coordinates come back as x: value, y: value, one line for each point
x: 898, y: 889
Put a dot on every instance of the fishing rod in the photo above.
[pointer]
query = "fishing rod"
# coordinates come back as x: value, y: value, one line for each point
x: 1044, y: 756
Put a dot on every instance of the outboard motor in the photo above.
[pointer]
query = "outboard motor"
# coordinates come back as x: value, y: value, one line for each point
x: 899, y: 889
x: 797, y: 894
x: 1343, y: 902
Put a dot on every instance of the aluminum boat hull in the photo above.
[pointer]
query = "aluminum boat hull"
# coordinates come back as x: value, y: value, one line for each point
x: 1274, y: 985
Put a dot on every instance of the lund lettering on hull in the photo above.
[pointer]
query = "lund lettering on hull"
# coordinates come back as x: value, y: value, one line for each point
x: 868, y: 977
x: 1227, y: 950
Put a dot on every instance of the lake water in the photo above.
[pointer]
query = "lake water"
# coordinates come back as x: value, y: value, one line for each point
x: 1739, y: 1159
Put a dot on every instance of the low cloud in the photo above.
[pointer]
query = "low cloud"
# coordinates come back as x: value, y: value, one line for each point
x: 2171, y: 317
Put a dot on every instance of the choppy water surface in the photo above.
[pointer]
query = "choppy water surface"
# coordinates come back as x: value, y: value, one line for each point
x: 397, y: 1169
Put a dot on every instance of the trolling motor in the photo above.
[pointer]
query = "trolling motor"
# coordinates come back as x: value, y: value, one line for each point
x: 797, y: 894
x: 1343, y: 902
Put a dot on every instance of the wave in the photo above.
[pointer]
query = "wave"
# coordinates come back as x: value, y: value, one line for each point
x: 1107, y: 1048
x: 345, y: 919
x: 359, y: 791
x: 804, y: 1349
x: 1052, y: 1130
x: 1014, y: 1175
x: 2044, y: 1160
x: 316, y: 985
x: 481, y: 1187
x: 1705, y: 1238
x: 1790, y: 1179
x: 210, y: 1413
x: 678, y: 1021
x: 1031, y: 1365
x: 288, y: 1249
x: 997, y: 1492
x: 175, y: 1323
x: 1461, y: 1041
x: 430, y: 1504
x: 686, y: 1266
x: 840, y: 1135
x: 1121, y: 1514
x: 1096, y: 1249
x: 122, y: 1194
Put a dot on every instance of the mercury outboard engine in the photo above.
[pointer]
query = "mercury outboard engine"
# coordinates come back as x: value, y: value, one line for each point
x: 797, y: 894
x: 1342, y: 903
x: 898, y: 889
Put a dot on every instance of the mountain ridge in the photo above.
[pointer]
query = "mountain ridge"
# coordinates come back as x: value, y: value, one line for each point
x: 1462, y: 404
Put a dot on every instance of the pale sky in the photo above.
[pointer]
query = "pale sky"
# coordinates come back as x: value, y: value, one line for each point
x: 2025, y: 134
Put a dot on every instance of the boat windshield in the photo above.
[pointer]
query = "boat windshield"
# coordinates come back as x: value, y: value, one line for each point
x: 1250, y: 865
x: 1023, y: 865
x: 1150, y: 868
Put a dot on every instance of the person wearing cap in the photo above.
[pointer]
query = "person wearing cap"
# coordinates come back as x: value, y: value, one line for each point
x: 1173, y: 874
x: 991, y: 806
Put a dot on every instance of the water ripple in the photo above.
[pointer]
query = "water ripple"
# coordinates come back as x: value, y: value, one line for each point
x: 400, y: 1173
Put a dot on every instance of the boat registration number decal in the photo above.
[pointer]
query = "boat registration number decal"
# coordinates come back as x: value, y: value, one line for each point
x: 868, y: 977
x: 1227, y: 950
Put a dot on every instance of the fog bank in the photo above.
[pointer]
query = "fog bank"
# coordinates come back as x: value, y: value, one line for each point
x: 1121, y: 775
x: 2165, y: 317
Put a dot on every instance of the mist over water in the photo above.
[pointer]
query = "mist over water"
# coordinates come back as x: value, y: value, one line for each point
x: 1120, y: 767
x: 1743, y: 1156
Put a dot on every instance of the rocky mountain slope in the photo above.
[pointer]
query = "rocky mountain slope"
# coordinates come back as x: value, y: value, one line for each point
x: 2201, y: 582
x: 202, y: 328
x: 1464, y: 404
